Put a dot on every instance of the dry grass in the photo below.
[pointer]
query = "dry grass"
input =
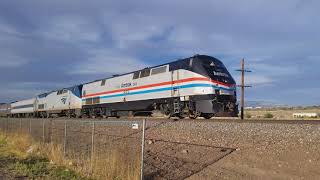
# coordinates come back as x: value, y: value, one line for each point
x: 16, y: 144
x: 281, y: 113
x: 115, y: 163
x: 21, y: 157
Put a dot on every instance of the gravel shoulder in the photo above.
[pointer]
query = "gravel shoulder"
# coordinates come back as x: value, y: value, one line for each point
x: 262, y: 150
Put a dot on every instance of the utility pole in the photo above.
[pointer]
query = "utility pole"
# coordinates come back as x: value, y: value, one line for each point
x: 243, y: 71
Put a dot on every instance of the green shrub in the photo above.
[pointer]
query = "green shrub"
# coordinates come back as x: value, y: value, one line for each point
x: 268, y: 115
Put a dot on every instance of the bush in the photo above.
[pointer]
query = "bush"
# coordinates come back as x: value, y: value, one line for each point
x: 248, y: 115
x: 268, y: 115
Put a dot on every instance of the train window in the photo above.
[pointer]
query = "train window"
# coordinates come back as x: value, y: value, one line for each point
x: 103, y: 82
x: 41, y: 106
x: 84, y: 93
x: 42, y: 95
x: 136, y: 75
x: 159, y: 70
x: 62, y: 91
x: 145, y: 73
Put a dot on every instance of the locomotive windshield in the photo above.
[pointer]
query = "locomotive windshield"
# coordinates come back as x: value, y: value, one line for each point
x: 213, y: 69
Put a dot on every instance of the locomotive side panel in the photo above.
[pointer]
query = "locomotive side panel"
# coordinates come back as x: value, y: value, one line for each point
x: 23, y: 107
x: 179, y: 83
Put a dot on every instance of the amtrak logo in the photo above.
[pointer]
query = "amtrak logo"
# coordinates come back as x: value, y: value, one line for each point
x: 64, y: 99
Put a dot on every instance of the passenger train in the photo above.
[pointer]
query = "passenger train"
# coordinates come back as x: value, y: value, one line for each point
x: 198, y: 86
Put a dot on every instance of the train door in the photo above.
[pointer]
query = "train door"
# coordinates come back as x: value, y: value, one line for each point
x: 175, y: 83
x: 175, y: 91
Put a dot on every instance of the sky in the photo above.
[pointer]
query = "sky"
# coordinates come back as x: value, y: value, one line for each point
x: 48, y: 45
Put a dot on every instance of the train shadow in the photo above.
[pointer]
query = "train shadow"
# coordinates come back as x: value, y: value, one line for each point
x: 176, y: 160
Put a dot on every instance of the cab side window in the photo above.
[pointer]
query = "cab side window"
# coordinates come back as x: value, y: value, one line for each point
x: 59, y: 92
x: 145, y: 73
x: 136, y: 75
x: 62, y: 91
x: 159, y: 70
x: 103, y: 82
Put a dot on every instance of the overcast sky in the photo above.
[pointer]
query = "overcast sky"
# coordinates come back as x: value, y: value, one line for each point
x: 46, y: 45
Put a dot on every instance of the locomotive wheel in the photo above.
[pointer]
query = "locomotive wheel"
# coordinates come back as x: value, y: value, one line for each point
x: 194, y: 114
x: 165, y: 109
x: 207, y: 115
x: 69, y: 114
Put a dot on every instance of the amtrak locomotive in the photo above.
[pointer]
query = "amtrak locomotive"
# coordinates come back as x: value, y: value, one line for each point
x: 199, y: 86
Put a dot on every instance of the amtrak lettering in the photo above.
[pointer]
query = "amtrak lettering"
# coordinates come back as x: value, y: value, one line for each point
x: 125, y: 85
x: 220, y: 74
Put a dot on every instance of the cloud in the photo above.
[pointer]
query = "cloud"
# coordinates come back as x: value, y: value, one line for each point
x: 8, y: 30
x: 265, y: 74
x: 19, y: 91
x: 71, y: 29
x: 128, y: 34
x: 256, y: 80
x: 11, y: 61
x: 273, y: 70
x: 25, y: 90
x: 8, y: 57
x: 104, y: 61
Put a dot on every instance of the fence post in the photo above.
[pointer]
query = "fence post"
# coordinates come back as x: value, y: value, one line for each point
x: 65, y: 138
x: 6, y: 127
x: 92, y: 145
x: 20, y: 125
x: 43, y: 135
x: 142, y: 148
x: 30, y: 126
x: 50, y: 131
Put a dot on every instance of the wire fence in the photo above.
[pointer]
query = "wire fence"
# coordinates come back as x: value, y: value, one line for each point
x: 115, y: 149
x: 108, y: 149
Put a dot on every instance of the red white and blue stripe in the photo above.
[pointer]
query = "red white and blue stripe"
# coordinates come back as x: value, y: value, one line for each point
x: 164, y: 86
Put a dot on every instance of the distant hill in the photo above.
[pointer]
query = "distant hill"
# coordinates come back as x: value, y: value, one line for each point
x: 263, y: 104
x: 271, y: 105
